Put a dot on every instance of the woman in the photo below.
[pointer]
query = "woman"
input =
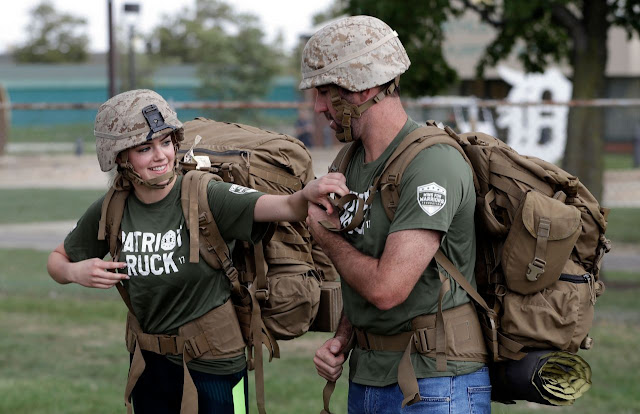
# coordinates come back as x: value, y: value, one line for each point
x: 139, y: 133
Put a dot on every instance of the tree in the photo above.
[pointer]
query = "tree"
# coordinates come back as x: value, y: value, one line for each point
x: 550, y: 31
x: 233, y: 61
x: 53, y: 37
x: 420, y: 28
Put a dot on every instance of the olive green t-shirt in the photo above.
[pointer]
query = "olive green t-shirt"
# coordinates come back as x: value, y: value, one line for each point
x: 436, y: 193
x: 166, y: 290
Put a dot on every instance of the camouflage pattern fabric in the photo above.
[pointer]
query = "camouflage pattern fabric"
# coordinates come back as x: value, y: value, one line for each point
x: 120, y: 124
x: 356, y: 53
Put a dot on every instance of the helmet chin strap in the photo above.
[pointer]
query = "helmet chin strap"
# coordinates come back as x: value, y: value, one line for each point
x: 346, y: 110
x: 130, y: 174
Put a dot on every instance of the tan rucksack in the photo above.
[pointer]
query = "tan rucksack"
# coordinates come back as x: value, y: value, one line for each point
x: 277, y: 284
x: 540, y: 241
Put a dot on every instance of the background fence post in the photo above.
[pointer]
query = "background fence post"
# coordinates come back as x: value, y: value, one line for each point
x: 636, y: 147
x: 5, y: 119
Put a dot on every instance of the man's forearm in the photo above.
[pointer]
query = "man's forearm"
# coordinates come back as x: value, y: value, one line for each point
x: 356, y: 268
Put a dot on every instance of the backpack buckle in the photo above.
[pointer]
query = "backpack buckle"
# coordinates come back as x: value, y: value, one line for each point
x: 167, y: 345
x: 536, y: 268
x: 421, y: 341
x: 263, y: 294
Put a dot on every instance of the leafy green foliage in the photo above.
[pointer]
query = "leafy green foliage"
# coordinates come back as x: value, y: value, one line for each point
x: 419, y: 26
x: 532, y: 21
x: 541, y: 32
x: 233, y: 61
x: 53, y: 37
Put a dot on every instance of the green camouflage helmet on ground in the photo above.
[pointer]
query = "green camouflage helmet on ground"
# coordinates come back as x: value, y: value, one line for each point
x: 129, y: 119
x: 356, y: 53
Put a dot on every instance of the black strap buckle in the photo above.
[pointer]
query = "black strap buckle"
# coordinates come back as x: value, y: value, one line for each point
x: 155, y: 120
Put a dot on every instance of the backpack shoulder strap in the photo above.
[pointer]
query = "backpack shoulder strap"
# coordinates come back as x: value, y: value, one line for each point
x: 344, y: 156
x: 109, y: 229
x: 418, y: 140
x: 204, y: 236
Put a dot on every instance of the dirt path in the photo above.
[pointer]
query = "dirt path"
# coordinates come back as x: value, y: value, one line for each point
x: 621, y: 188
x: 72, y: 171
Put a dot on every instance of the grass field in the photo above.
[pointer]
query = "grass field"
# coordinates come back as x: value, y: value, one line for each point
x: 53, y: 133
x: 33, y: 205
x: 62, y: 351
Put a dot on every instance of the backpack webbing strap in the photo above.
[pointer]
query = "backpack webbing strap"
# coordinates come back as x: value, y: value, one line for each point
x: 407, y: 380
x: 388, y: 179
x: 393, y: 172
x: 191, y: 344
x: 135, y: 371
x: 453, y: 271
x: 429, y: 337
x: 111, y: 217
x: 109, y: 229
x: 358, y: 217
x: 262, y: 268
x: 275, y: 175
x: 330, y: 386
x: 345, y: 154
x: 204, y: 236
x: 259, y: 335
x: 504, y: 168
x: 327, y: 391
x: 507, y: 346
x: 102, y: 225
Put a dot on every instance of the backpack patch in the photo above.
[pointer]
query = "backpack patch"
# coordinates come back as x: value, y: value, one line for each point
x: 432, y: 198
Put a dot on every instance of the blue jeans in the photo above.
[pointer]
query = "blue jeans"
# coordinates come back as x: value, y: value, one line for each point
x: 159, y: 389
x: 470, y: 393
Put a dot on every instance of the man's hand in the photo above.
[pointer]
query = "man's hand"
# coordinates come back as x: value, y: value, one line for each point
x: 329, y: 358
x: 317, y: 214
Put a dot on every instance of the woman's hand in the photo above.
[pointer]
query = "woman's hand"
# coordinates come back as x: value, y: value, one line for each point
x: 318, y: 190
x: 94, y: 273
x: 294, y: 207
x: 97, y: 273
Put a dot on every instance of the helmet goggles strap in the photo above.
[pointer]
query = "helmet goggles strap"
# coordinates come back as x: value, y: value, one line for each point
x: 349, y: 110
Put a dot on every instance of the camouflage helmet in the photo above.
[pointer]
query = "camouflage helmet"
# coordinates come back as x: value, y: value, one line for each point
x: 124, y: 122
x: 355, y: 53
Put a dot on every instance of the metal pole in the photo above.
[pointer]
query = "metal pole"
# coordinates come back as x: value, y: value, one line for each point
x: 636, y: 147
x: 5, y: 117
x: 112, y: 51
x: 132, y: 64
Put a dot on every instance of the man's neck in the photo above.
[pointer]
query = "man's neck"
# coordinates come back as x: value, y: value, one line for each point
x: 380, y: 131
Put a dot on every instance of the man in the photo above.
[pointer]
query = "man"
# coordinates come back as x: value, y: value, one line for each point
x: 390, y: 282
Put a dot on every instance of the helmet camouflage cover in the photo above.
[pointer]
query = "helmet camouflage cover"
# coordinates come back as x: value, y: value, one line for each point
x: 355, y: 53
x: 121, y: 123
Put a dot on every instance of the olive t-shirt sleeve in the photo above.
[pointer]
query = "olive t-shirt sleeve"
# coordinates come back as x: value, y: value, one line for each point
x: 233, y: 209
x: 432, y: 189
x: 82, y: 242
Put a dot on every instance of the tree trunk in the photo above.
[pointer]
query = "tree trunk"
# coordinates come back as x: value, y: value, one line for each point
x: 585, y: 143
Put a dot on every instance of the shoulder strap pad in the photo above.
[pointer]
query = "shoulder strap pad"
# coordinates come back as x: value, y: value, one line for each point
x: 344, y: 156
x: 109, y: 229
x: 204, y: 236
x: 111, y: 217
x: 418, y: 140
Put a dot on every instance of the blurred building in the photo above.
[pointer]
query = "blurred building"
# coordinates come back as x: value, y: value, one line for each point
x: 88, y: 82
x: 467, y: 37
